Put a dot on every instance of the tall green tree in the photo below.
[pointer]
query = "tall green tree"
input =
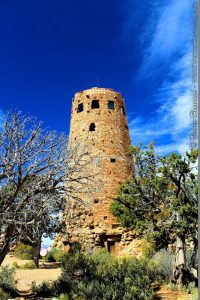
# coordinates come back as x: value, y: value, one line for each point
x: 160, y: 202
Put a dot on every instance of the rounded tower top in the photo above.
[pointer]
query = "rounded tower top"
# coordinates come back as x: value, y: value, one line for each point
x: 101, y: 110
x: 97, y: 90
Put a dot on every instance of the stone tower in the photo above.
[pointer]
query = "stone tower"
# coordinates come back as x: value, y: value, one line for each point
x: 98, y: 121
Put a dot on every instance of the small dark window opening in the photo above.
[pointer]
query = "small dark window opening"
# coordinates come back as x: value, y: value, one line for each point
x: 95, y: 104
x: 96, y: 201
x: 92, y: 127
x: 111, y: 104
x: 112, y: 160
x: 105, y: 217
x: 91, y: 226
x: 126, y: 126
x: 122, y: 110
x: 88, y: 96
x: 80, y: 108
x: 115, y: 225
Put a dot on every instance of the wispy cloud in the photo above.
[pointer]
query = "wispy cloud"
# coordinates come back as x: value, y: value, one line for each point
x: 1, y: 118
x: 166, y: 54
x: 171, y: 35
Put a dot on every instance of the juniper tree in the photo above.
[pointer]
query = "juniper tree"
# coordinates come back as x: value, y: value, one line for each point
x: 160, y: 202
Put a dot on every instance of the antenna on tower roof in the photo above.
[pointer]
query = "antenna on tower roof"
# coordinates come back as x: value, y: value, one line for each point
x: 98, y: 83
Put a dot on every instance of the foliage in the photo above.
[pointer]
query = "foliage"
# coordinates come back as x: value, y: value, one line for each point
x: 160, y: 201
x: 7, y: 275
x: 54, y: 255
x: 63, y: 297
x: 28, y: 265
x: 163, y: 262
x: 23, y: 251
x: 75, y: 248
x: 7, y: 283
x: 194, y: 294
x: 15, y: 265
x: 59, y: 255
x: 100, y: 276
x: 43, y: 290
x: 148, y: 249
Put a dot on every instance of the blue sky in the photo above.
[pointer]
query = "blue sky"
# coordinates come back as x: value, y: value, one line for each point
x: 52, y: 49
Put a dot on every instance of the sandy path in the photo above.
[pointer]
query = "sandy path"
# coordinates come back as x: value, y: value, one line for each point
x: 26, y: 277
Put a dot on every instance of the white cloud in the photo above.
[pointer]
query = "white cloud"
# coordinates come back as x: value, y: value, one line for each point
x: 180, y: 146
x: 171, y: 34
x: 170, y: 124
x: 180, y: 112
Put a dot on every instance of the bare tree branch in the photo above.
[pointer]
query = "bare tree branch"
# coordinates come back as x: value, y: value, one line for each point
x: 39, y: 173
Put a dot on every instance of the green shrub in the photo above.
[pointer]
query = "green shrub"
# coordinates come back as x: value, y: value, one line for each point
x: 42, y: 290
x: 63, y: 297
x: 162, y: 262
x: 15, y: 265
x: 75, y: 248
x: 4, y: 295
x: 194, y: 294
x: 59, y: 255
x: 100, y: 276
x: 54, y: 255
x: 28, y: 265
x: 23, y: 251
x: 50, y: 255
x: 7, y: 275
x: 148, y: 249
x: 7, y: 283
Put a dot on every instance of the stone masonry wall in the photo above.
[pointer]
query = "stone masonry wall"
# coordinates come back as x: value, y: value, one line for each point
x: 104, y: 130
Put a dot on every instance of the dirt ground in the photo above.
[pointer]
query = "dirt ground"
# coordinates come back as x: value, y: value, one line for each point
x: 25, y: 278
x: 165, y: 294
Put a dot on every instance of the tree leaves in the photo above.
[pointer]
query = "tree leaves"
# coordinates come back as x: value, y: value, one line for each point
x: 162, y: 188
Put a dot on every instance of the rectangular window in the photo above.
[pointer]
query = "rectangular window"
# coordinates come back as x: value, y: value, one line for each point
x: 111, y: 104
x: 112, y: 160
x: 80, y: 108
x: 95, y: 104
x: 92, y: 127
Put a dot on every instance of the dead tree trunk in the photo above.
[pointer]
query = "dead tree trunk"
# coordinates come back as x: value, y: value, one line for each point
x: 6, y: 243
x: 179, y: 273
x: 194, y: 261
x: 36, y: 252
x: 4, y: 251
